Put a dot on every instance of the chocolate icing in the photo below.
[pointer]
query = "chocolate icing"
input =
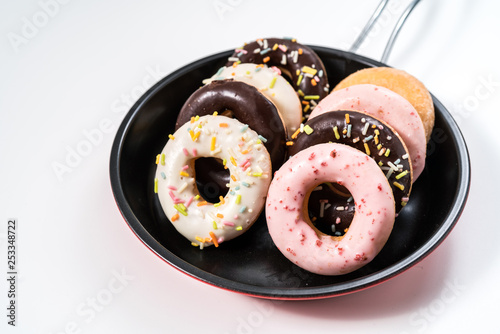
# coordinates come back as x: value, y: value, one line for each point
x: 270, y: 52
x: 323, y: 132
x: 249, y: 106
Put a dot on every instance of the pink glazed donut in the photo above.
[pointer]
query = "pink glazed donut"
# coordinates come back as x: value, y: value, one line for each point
x: 387, y: 106
x: 288, y: 220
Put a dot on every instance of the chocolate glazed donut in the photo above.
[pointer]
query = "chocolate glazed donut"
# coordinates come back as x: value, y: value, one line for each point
x: 300, y: 64
x: 249, y: 106
x: 366, y: 134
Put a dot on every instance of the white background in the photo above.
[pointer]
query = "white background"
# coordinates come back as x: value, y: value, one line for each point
x: 67, y: 69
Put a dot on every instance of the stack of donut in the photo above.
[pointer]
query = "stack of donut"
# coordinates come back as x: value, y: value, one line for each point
x: 332, y: 170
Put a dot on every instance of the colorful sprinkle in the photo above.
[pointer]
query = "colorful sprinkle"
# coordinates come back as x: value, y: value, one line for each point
x: 399, y: 185
x: 367, y: 139
x: 367, y: 149
x: 311, y: 97
x: 336, y: 132
x: 189, y: 201
x: 273, y: 82
x: 214, y: 239
x: 308, y: 130
x: 180, y: 209
x: 183, y: 187
x: 365, y: 129
x: 263, y: 52
x: 212, y: 144
x: 402, y: 174
x: 309, y: 70
x: 299, y: 80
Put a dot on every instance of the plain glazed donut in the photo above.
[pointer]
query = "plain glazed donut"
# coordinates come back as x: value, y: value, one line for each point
x: 367, y: 134
x: 401, y: 83
x: 387, y: 106
x: 289, y: 224
x: 247, y: 105
x: 241, y: 151
x: 298, y: 62
x: 270, y: 83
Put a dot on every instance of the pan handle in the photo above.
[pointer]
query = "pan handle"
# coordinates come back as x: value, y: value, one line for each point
x: 375, y: 16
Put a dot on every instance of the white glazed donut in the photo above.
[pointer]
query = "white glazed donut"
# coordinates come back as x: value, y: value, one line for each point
x: 241, y: 150
x: 289, y: 224
x: 270, y: 83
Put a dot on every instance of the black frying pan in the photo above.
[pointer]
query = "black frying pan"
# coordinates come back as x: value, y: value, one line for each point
x: 251, y: 264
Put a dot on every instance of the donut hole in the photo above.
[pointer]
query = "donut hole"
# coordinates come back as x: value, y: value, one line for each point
x: 285, y: 73
x: 331, y: 208
x: 211, y: 178
x: 227, y: 113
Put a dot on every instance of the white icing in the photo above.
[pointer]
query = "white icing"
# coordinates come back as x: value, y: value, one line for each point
x: 229, y: 142
x: 261, y: 77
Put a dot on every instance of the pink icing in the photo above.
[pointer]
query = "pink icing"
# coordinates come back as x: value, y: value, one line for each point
x: 309, y: 248
x: 387, y: 106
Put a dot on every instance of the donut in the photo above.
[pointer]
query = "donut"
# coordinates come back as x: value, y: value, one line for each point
x: 387, y: 106
x: 299, y: 63
x: 286, y: 209
x: 246, y: 104
x: 401, y: 83
x: 242, y: 152
x: 367, y: 134
x: 270, y: 83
